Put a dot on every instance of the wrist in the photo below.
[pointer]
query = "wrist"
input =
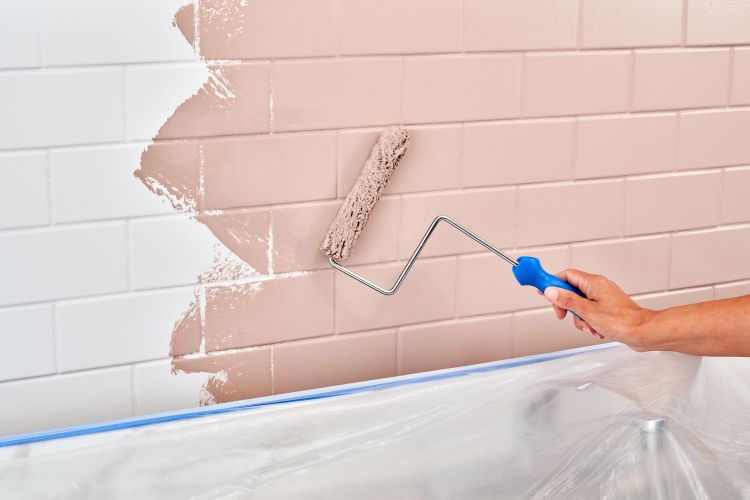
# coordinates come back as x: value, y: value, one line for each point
x: 642, y: 331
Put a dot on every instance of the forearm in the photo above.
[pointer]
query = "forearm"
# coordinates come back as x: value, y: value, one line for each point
x: 714, y: 328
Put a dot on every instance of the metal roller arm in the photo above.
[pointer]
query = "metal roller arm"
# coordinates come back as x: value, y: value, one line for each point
x: 416, y: 253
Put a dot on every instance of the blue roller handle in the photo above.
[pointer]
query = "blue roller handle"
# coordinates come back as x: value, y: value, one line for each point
x: 529, y: 272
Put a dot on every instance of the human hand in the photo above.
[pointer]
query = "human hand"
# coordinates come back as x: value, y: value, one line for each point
x: 606, y: 311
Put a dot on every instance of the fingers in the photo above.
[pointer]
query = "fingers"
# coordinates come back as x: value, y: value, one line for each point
x: 585, y: 327
x: 579, y: 279
x: 560, y: 312
x: 565, y: 299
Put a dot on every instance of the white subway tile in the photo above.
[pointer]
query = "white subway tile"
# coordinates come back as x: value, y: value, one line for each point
x: 60, y: 401
x: 169, y: 252
x: 98, y: 183
x: 28, y: 342
x: 157, y: 389
x: 19, y: 34
x: 47, y: 264
x: 115, y: 31
x: 60, y: 107
x: 24, y: 190
x: 118, y: 330
x: 154, y: 92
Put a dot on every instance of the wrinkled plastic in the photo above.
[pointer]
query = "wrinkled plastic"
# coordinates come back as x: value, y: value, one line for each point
x: 602, y: 424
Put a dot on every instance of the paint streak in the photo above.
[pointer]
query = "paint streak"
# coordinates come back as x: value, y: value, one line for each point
x: 186, y: 335
x: 240, y: 375
x: 169, y: 170
x: 245, y: 233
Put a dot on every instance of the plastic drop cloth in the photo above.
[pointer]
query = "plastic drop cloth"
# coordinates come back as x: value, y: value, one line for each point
x: 601, y: 424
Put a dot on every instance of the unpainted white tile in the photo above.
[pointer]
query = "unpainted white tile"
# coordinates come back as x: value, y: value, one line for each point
x: 170, y: 251
x: 19, y: 34
x: 60, y: 107
x: 115, y: 31
x: 157, y: 389
x: 24, y: 190
x: 28, y: 344
x: 64, y: 400
x: 154, y: 92
x: 117, y: 330
x: 46, y: 264
x: 98, y: 183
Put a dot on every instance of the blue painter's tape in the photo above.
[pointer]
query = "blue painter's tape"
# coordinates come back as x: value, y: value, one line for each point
x: 328, y: 392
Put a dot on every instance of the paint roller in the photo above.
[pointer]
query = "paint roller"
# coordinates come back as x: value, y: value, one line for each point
x: 355, y: 211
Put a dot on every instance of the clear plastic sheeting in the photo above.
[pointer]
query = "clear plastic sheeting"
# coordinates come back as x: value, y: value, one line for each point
x: 601, y: 424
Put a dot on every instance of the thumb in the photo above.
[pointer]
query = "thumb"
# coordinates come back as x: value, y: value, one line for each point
x: 568, y: 300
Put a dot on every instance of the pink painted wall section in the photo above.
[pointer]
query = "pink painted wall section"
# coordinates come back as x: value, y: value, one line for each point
x: 602, y: 134
x: 563, y: 130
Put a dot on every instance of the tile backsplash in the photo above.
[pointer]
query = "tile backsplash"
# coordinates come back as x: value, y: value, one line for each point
x: 606, y: 135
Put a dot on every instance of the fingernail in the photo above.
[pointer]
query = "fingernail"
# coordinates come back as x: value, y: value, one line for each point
x: 586, y: 328
x: 551, y: 294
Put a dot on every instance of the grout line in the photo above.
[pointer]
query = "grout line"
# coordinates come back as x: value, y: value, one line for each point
x: 336, y: 27
x: 269, y: 244
x: 56, y: 337
x: 89, y: 66
x: 180, y: 287
x: 101, y: 222
x: 196, y: 27
x: 130, y: 254
x: 201, y: 179
x: 94, y: 370
x: 124, y: 104
x: 50, y: 191
x: 260, y: 278
x: 238, y: 350
x: 522, y: 86
x: 492, y: 314
x: 722, y: 192
x: 337, y: 188
x: 273, y: 369
x: 670, y: 252
x: 461, y: 156
x: 333, y: 308
x: 631, y: 81
x: 573, y: 168
x: 397, y: 350
x: 42, y: 34
x: 456, y: 281
x: 579, y: 24
x: 462, y: 26
x: 684, y: 24
x: 370, y: 127
x: 133, y: 391
x: 201, y: 297
x: 271, y: 110
x: 162, y: 216
x: 623, y: 221
x: 730, y: 83
x: 402, y: 92
x: 676, y: 151
x: 400, y: 228
x: 516, y: 217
